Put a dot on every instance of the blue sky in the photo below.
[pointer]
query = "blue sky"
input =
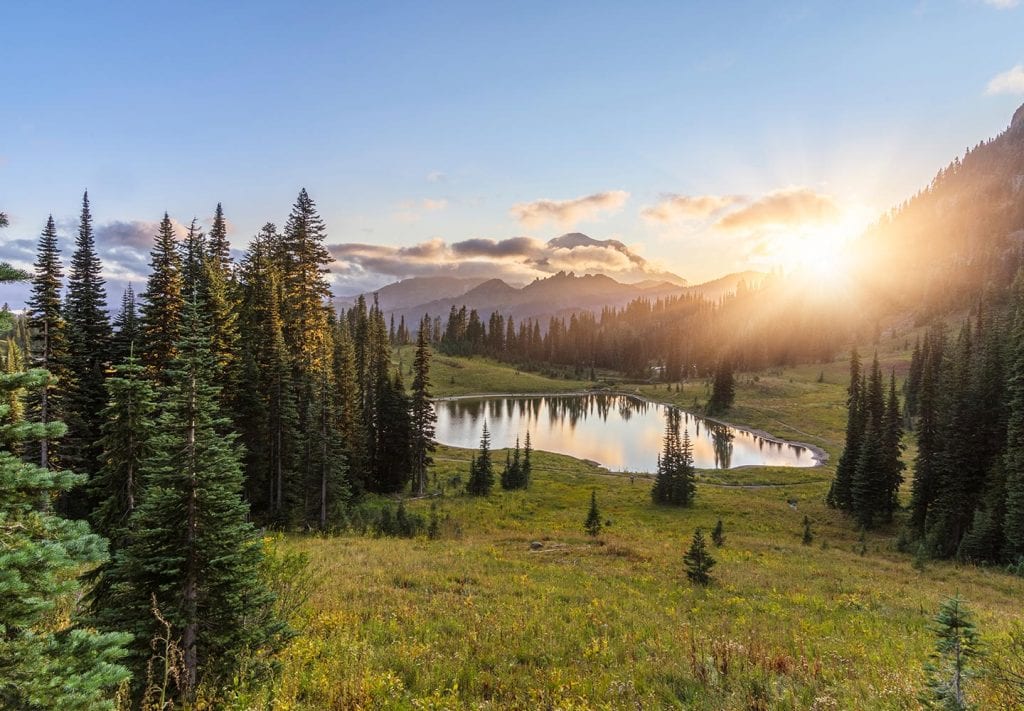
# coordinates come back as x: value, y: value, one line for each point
x: 419, y: 126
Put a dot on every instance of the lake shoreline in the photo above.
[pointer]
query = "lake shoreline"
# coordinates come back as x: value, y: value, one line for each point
x: 819, y: 455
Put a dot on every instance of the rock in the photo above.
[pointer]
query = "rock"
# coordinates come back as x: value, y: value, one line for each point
x: 536, y: 545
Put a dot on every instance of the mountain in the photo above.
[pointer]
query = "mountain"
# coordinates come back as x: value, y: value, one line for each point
x: 540, y: 299
x: 728, y: 284
x: 577, y: 242
x: 411, y: 292
x: 955, y: 238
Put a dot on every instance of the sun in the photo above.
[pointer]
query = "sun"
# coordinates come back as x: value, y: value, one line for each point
x: 818, y: 252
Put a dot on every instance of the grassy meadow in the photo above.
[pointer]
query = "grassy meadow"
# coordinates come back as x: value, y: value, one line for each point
x: 480, y: 619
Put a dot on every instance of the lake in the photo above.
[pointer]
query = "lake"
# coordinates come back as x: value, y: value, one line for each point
x: 620, y: 432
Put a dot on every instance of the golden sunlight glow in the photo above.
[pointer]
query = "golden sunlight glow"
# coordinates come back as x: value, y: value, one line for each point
x: 818, y: 252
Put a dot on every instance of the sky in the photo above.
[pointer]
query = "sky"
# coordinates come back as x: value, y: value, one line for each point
x: 458, y: 138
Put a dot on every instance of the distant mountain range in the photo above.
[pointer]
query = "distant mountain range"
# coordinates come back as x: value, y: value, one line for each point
x: 559, y: 294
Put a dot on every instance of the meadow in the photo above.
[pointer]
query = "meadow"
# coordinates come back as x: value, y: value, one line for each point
x: 483, y: 617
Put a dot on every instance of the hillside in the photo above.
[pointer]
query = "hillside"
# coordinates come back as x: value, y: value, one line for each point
x: 956, y: 237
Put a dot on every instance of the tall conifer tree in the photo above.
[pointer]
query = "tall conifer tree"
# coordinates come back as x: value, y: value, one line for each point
x: 162, y: 304
x: 48, y: 341
x: 423, y: 415
x: 89, y: 334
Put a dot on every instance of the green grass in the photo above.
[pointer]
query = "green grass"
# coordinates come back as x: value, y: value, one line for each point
x: 470, y: 376
x: 480, y: 620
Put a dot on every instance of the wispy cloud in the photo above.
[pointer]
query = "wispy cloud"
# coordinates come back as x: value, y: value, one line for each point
x: 791, y: 206
x: 677, y: 208
x: 1009, y: 82
x: 1002, y: 4
x: 436, y: 176
x: 568, y: 212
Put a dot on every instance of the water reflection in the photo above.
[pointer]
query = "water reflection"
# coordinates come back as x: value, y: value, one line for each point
x: 621, y: 432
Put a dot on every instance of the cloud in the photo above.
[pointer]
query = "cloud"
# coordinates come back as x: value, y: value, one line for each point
x: 512, y: 247
x: 568, y: 212
x: 1002, y: 4
x: 515, y: 259
x: 436, y: 176
x: 782, y: 208
x: 676, y: 208
x: 1009, y: 82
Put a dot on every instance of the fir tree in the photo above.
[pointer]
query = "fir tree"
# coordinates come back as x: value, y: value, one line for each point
x: 926, y: 466
x: 512, y: 475
x: 127, y: 339
x: 128, y: 431
x: 481, y: 473
x: 718, y: 534
x: 423, y: 415
x: 1013, y: 456
x: 892, y: 449
x: 592, y: 525
x: 526, y: 467
x: 162, y: 304
x: 220, y: 292
x: 88, y: 328
x: 48, y: 343
x: 808, y: 536
x: 266, y: 409
x: 723, y: 389
x: 44, y: 662
x: 674, y: 482
x: 951, y: 664
x: 840, y: 494
x: 698, y: 561
x: 192, y: 548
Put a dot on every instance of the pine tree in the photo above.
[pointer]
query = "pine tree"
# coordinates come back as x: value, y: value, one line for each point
x: 1013, y: 456
x: 128, y: 431
x: 526, y: 467
x: 191, y: 547
x: 593, y: 523
x: 951, y: 664
x: 840, y: 493
x: 808, y: 537
x: 266, y: 409
x: 220, y: 292
x: 723, y: 390
x: 718, y: 534
x: 304, y: 260
x: 127, y: 338
x: 48, y: 344
x: 951, y: 512
x: 162, y: 304
x: 481, y: 473
x: 892, y: 448
x: 327, y: 470
x: 698, y: 561
x: 423, y: 415
x: 44, y: 662
x: 926, y: 466
x: 675, y: 481
x: 350, y: 428
x: 512, y: 475
x: 88, y: 329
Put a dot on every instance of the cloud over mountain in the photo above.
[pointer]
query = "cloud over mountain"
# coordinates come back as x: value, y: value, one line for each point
x: 567, y: 213
x: 515, y: 259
